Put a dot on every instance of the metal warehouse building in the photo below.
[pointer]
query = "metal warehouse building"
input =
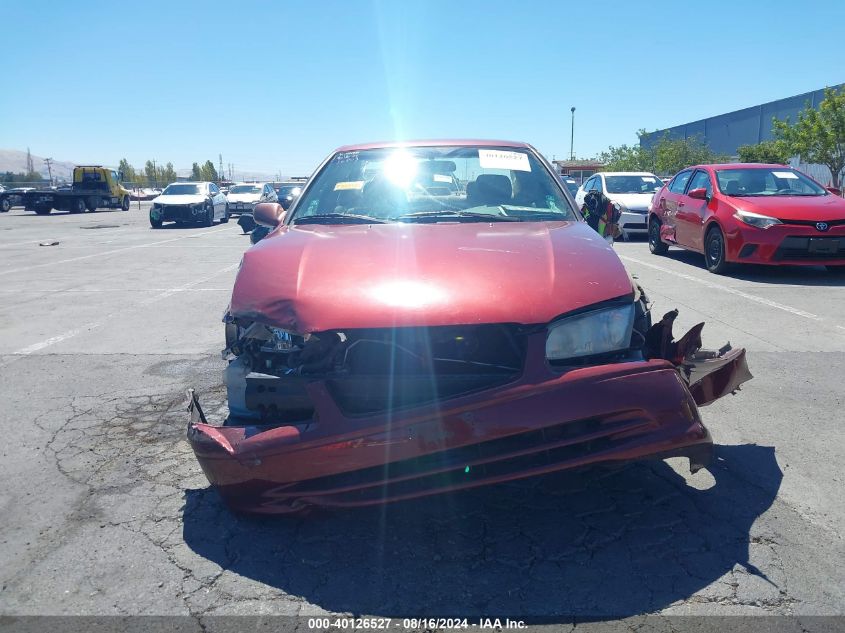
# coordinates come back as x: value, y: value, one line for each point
x: 725, y: 133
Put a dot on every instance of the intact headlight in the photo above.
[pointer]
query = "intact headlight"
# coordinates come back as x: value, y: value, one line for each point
x: 756, y: 219
x: 597, y: 332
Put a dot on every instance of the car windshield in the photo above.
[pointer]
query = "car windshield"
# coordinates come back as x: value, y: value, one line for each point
x: 245, y: 189
x: 182, y: 189
x: 417, y: 184
x: 632, y: 184
x: 774, y: 181
x: 289, y: 190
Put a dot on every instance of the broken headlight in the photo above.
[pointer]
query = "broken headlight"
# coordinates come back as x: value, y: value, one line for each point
x: 590, y: 333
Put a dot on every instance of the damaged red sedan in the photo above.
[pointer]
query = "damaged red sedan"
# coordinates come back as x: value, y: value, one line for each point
x: 436, y: 316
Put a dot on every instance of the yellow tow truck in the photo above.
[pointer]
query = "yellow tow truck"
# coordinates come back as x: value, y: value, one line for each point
x: 94, y: 187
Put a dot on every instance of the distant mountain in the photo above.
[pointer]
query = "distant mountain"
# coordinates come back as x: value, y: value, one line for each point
x: 15, y: 161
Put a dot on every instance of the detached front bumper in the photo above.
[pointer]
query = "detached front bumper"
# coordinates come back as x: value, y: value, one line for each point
x: 541, y: 423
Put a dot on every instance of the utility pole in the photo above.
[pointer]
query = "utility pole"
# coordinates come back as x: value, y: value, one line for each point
x: 220, y: 175
x: 572, y: 136
x: 155, y: 174
x: 49, y: 169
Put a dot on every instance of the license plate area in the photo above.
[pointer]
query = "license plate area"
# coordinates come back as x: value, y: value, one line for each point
x: 823, y: 245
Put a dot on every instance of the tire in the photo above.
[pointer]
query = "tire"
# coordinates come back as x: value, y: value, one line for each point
x: 6, y: 204
x: 225, y: 218
x: 156, y: 224
x: 655, y: 244
x: 93, y: 203
x: 208, y: 220
x: 43, y: 210
x: 77, y: 205
x: 714, y: 251
x: 836, y: 270
x: 124, y: 203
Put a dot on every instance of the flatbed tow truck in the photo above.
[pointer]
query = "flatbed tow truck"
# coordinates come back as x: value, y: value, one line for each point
x: 94, y: 187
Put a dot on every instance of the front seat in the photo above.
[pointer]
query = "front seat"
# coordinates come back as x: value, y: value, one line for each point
x: 490, y: 190
x: 731, y: 187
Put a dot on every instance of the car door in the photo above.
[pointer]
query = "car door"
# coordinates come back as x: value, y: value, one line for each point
x: 692, y: 212
x: 219, y: 208
x: 668, y: 203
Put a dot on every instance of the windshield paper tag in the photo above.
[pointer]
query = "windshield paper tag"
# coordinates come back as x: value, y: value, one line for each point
x: 784, y: 174
x: 352, y: 184
x: 499, y: 159
x: 442, y: 178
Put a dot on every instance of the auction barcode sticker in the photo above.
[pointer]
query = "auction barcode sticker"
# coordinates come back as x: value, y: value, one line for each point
x: 500, y: 159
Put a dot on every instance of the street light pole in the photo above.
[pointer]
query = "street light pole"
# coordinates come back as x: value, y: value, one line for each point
x: 572, y: 136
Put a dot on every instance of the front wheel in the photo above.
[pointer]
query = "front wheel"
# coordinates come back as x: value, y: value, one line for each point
x: 655, y: 244
x: 77, y: 205
x: 225, y: 218
x: 5, y: 205
x: 43, y: 210
x: 208, y: 220
x: 124, y: 204
x: 714, y: 251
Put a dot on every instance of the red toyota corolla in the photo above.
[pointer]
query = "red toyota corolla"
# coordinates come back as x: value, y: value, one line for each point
x: 749, y: 213
x: 434, y: 316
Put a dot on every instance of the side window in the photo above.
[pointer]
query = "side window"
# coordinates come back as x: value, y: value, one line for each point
x: 599, y: 186
x: 214, y: 189
x: 701, y: 180
x: 679, y: 182
x: 588, y: 186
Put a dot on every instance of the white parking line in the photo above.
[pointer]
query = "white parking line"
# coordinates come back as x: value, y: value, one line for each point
x: 36, y: 347
x: 734, y: 291
x: 116, y: 250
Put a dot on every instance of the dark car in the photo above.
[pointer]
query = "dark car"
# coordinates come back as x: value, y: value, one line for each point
x: 391, y: 339
x: 749, y: 213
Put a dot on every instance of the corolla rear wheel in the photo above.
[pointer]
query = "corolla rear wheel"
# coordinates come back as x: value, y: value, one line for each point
x: 714, y: 251
x: 655, y: 244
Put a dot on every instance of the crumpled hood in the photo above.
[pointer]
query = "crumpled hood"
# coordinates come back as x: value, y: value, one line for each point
x: 817, y: 208
x: 243, y: 197
x: 633, y: 201
x: 181, y: 199
x: 315, y: 278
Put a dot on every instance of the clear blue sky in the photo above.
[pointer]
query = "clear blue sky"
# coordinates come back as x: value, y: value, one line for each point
x: 275, y: 86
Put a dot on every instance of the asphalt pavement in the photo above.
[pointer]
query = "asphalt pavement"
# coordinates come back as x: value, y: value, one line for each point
x: 105, y: 510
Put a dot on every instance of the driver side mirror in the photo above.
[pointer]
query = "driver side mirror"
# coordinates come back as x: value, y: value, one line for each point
x: 834, y: 190
x: 270, y: 214
x: 699, y: 194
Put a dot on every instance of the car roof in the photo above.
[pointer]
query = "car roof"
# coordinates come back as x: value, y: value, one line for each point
x: 433, y: 143
x: 626, y: 173
x: 741, y: 166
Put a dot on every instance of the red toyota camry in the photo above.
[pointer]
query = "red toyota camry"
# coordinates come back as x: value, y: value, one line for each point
x: 434, y: 316
x: 749, y: 213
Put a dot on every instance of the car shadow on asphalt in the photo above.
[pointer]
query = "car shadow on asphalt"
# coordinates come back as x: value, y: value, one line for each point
x: 758, y: 273
x: 594, y: 543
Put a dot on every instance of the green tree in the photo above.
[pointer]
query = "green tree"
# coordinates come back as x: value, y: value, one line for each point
x: 623, y: 158
x: 168, y: 174
x: 151, y: 173
x: 208, y: 171
x: 196, y: 173
x: 818, y: 136
x: 766, y: 152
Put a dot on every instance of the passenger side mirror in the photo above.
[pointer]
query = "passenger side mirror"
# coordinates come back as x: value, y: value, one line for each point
x: 269, y: 214
x: 698, y: 194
